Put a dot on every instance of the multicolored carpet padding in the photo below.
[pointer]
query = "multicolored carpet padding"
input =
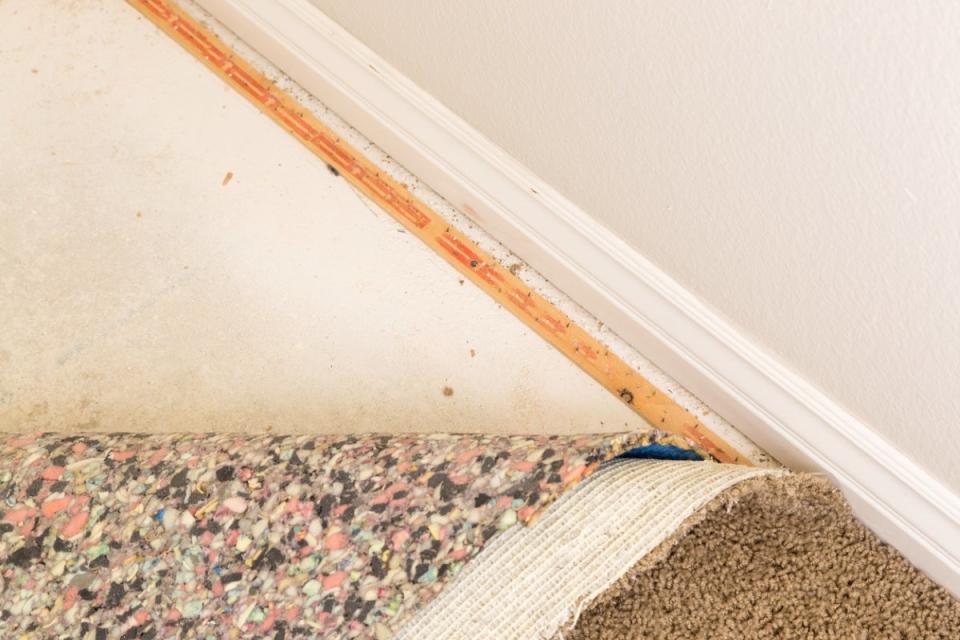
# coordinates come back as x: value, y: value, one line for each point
x: 427, y: 536
x: 291, y: 536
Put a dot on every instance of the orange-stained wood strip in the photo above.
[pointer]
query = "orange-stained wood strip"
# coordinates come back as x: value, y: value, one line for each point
x: 461, y: 252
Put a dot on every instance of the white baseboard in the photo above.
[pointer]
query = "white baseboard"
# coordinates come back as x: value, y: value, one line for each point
x: 779, y: 410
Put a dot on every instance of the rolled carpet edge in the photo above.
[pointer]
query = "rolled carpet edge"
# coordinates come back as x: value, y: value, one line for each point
x: 667, y: 549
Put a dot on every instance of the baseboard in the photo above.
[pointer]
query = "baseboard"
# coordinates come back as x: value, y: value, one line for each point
x: 779, y: 410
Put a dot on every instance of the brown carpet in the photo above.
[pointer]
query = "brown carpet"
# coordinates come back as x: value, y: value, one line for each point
x: 773, y: 558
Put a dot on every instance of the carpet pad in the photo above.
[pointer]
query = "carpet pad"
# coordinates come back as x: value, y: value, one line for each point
x: 216, y: 536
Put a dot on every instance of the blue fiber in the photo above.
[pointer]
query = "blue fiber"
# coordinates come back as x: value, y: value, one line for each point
x: 661, y: 452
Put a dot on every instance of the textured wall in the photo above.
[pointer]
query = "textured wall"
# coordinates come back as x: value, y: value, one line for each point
x: 797, y: 165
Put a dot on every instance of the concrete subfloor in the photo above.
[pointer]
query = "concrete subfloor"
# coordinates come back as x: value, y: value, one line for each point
x: 140, y: 290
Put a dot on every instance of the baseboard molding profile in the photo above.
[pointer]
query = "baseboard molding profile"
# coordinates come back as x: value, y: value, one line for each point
x: 783, y: 413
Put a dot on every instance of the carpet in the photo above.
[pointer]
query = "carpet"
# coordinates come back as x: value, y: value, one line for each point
x: 775, y: 557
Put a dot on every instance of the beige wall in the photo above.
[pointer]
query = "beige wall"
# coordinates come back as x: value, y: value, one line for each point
x: 796, y: 165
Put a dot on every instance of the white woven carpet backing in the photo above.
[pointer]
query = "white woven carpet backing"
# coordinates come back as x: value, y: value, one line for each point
x: 532, y: 582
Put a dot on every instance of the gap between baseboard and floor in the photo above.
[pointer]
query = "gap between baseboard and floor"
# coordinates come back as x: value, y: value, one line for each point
x: 782, y: 412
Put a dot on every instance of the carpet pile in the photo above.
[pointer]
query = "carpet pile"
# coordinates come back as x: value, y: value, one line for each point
x: 774, y: 557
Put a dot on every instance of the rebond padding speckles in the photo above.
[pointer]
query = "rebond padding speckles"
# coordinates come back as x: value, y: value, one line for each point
x: 159, y: 536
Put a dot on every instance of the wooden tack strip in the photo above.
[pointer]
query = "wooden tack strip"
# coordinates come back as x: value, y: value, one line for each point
x: 483, y: 270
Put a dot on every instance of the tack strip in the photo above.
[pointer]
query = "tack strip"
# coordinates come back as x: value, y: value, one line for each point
x: 483, y: 270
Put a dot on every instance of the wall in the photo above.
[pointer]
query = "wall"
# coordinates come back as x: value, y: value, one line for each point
x: 794, y: 164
